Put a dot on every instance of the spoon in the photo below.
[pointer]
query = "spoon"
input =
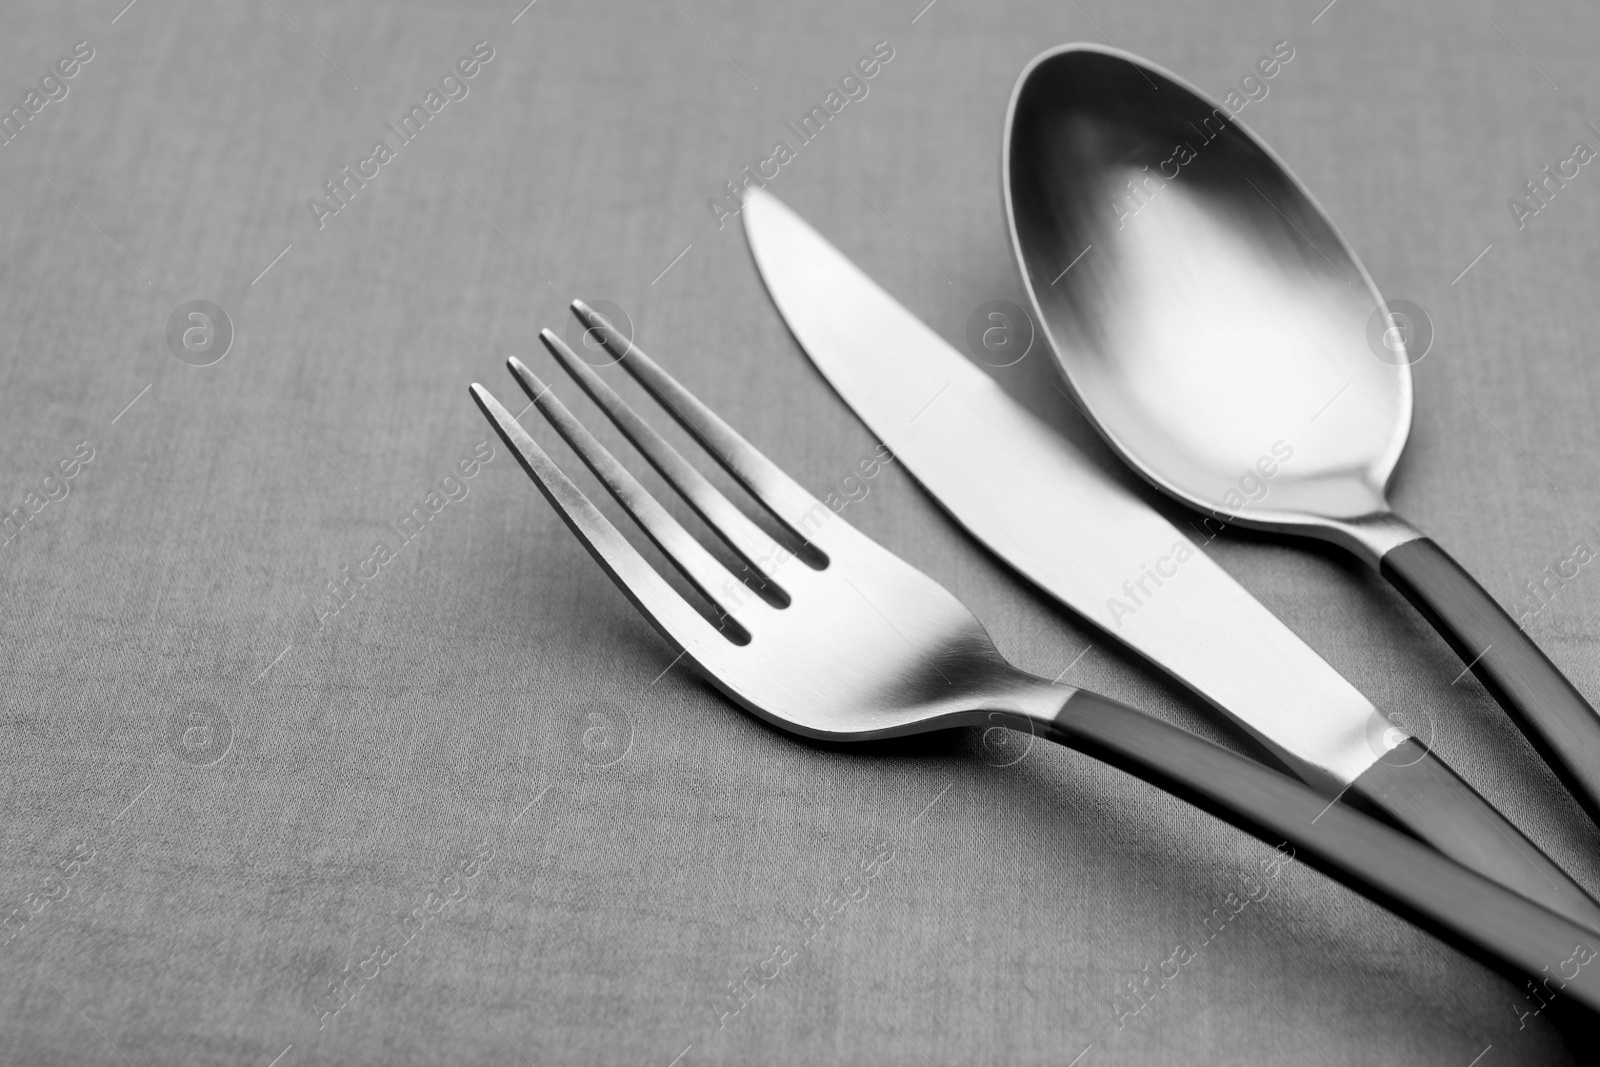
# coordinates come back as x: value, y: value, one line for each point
x: 1219, y: 332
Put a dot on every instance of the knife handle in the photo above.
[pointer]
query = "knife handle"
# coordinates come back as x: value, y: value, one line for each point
x: 1421, y: 794
x: 1505, y: 931
x: 1540, y: 700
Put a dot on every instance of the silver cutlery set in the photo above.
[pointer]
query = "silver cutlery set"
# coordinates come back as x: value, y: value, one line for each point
x: 1216, y: 338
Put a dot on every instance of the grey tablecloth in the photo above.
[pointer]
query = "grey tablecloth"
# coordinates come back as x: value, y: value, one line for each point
x: 476, y: 798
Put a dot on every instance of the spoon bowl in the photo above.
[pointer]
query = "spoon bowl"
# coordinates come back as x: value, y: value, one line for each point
x: 1215, y: 324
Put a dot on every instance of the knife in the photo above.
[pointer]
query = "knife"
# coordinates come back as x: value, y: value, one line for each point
x: 1026, y: 493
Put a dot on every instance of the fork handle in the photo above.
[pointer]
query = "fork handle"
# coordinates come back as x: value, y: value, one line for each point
x: 1494, y: 925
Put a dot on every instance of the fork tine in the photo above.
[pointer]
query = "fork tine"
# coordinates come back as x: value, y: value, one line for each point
x: 758, y: 550
x: 703, y: 570
x: 802, y: 513
x: 672, y: 615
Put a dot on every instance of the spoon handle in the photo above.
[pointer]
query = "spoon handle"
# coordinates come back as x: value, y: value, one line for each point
x: 1533, y: 691
x: 1481, y: 918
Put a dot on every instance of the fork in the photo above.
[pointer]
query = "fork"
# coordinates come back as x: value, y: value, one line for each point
x: 842, y: 640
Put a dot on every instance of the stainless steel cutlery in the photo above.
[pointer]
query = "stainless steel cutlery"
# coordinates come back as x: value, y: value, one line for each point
x: 1213, y: 337
x: 1037, y: 503
x: 852, y: 643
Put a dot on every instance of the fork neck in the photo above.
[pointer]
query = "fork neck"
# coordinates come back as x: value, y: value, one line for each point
x: 1014, y: 699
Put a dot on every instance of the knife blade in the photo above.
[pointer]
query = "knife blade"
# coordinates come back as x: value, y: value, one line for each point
x: 1026, y: 493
